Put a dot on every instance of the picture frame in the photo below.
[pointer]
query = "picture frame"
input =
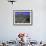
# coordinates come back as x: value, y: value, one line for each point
x: 22, y: 17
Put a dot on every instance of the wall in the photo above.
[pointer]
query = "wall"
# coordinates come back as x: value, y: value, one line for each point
x: 37, y: 31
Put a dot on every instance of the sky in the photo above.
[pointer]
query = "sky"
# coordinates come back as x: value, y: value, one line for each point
x: 24, y: 13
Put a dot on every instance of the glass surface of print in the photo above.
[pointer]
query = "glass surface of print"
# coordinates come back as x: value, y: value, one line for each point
x: 22, y: 17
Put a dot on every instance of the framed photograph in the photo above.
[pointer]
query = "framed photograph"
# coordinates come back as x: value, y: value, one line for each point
x: 22, y: 17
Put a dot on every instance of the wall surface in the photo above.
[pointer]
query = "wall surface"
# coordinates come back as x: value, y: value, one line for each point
x: 37, y: 31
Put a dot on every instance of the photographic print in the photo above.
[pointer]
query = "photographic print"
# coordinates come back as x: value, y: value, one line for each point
x: 22, y: 16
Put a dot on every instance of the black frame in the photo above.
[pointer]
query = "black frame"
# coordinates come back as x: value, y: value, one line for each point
x: 31, y: 17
